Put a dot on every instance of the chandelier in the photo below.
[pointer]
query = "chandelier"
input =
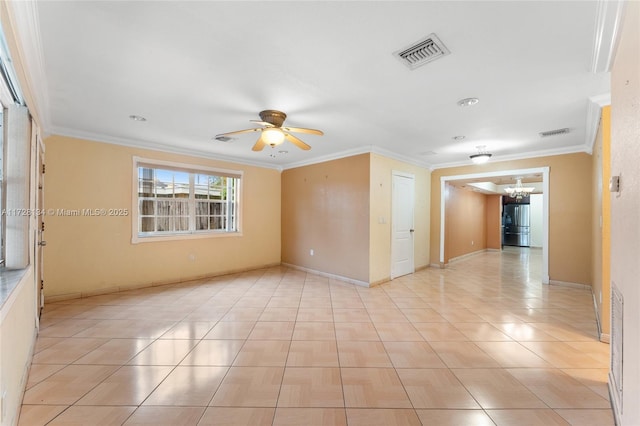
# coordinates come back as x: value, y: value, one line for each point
x: 519, y: 192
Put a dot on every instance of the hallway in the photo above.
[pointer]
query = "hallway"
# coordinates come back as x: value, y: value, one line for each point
x: 482, y: 342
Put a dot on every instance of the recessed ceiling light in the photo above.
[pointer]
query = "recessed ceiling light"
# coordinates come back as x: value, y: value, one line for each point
x: 458, y: 138
x: 466, y: 102
x: 283, y: 152
x: 223, y: 138
x: 137, y: 118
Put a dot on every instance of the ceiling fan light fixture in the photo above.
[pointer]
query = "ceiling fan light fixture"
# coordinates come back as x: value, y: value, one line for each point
x: 273, y: 136
x: 272, y: 133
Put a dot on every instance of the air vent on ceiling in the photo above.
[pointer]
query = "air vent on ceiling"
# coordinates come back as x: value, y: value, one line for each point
x: 554, y: 132
x: 422, y: 52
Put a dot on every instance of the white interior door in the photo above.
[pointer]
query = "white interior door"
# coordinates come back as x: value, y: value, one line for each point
x: 402, y: 207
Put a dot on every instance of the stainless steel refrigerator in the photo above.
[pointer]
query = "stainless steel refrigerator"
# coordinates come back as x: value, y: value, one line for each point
x: 515, y: 225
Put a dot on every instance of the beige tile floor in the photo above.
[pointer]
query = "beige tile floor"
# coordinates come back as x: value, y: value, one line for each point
x: 482, y: 342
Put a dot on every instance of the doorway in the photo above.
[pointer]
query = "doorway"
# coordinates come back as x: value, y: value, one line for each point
x: 543, y: 171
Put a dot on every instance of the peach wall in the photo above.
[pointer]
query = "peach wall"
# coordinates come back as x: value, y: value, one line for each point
x: 569, y: 211
x: 89, y: 255
x: 382, y: 169
x: 466, y: 224
x: 494, y: 221
x: 325, y: 208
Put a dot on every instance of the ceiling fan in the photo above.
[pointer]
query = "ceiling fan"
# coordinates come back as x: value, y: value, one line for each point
x: 273, y: 133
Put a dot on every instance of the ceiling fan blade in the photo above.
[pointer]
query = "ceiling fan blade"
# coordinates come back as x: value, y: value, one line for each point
x: 303, y: 130
x: 260, y: 144
x: 297, y: 142
x: 264, y: 123
x: 239, y: 131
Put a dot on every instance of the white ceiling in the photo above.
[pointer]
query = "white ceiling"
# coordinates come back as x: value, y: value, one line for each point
x: 196, y: 69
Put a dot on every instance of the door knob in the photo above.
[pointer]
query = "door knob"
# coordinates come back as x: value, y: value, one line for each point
x: 42, y: 243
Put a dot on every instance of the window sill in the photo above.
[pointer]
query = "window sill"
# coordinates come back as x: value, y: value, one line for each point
x: 177, y: 237
x: 9, y: 280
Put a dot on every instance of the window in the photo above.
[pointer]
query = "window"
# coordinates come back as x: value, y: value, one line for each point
x: 16, y: 167
x: 179, y: 200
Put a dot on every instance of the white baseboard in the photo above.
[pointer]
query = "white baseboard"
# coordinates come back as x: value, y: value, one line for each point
x: 570, y: 284
x: 327, y: 275
x: 464, y: 256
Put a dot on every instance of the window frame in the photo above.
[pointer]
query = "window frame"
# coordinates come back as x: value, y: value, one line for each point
x: 192, y: 169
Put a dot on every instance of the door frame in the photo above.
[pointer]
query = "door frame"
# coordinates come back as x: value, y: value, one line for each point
x: 411, y: 176
x: 37, y: 200
x: 545, y: 208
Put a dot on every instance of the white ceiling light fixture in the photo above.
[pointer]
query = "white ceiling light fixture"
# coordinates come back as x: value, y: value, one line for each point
x: 482, y: 156
x: 519, y: 191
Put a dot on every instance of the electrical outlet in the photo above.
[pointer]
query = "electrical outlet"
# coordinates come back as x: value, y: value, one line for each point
x: 311, y: 252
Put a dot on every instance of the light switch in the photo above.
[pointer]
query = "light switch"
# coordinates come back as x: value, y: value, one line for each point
x: 614, y: 184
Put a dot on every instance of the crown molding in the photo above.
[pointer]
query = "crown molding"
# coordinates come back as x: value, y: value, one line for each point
x: 594, y: 112
x: 328, y: 157
x: 369, y: 149
x: 141, y: 144
x: 399, y: 157
x: 133, y: 143
x: 607, y: 31
x: 522, y: 156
